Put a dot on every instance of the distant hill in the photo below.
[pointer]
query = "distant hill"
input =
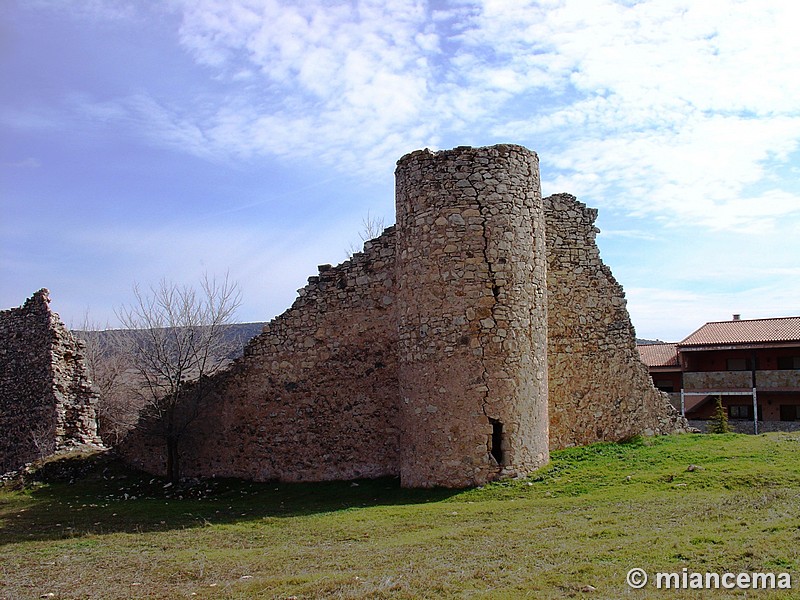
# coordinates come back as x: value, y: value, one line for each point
x: 244, y: 332
x: 237, y: 333
x: 644, y: 342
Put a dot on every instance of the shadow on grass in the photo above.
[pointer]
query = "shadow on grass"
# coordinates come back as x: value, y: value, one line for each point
x: 98, y: 495
x: 80, y: 496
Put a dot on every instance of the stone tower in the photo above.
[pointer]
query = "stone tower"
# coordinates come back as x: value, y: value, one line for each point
x: 472, y: 315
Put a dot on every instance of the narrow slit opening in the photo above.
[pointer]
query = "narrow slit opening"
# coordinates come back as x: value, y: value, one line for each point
x: 496, y: 447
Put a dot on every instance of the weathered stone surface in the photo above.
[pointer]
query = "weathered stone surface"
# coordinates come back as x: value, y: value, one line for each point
x: 599, y: 388
x: 471, y: 312
x: 315, y: 395
x: 426, y: 356
x: 46, y: 399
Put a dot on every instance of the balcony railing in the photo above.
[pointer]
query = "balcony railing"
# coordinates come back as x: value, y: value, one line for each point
x: 741, y: 380
x: 717, y: 380
x: 778, y: 380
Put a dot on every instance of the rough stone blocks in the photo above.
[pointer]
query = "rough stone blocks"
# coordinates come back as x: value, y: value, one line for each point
x: 457, y: 348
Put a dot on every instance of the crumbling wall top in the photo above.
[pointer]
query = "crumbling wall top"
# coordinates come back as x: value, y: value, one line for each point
x: 46, y: 398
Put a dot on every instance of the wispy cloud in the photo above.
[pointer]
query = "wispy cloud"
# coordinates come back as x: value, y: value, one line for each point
x: 634, y: 234
x: 25, y: 163
x: 327, y: 79
x: 269, y: 263
x: 95, y: 10
x: 687, y: 105
x: 681, y: 115
x: 34, y: 118
x: 667, y: 108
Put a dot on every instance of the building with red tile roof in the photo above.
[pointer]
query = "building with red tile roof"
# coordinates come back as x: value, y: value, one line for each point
x: 740, y: 333
x: 660, y: 355
x: 753, y: 365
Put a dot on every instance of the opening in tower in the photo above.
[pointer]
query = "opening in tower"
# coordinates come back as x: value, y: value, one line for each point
x: 496, y: 448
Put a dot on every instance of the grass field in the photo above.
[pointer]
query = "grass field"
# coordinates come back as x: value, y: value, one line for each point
x: 573, y: 530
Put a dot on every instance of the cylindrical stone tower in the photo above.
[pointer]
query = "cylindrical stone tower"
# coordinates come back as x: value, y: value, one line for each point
x: 472, y: 314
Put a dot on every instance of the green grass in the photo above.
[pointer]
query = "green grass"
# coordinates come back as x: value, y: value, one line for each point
x: 585, y: 520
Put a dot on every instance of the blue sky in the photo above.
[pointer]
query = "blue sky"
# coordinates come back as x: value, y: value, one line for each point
x: 145, y: 140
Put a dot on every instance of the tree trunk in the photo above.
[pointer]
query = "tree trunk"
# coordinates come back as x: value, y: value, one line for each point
x: 173, y: 467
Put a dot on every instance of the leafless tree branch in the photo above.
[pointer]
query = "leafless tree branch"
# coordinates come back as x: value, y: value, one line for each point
x: 175, y: 341
x: 371, y: 227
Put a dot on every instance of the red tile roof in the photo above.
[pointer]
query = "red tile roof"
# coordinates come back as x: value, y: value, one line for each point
x: 659, y: 355
x: 749, y: 331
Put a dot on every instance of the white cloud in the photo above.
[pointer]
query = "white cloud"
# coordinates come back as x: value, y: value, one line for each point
x: 666, y: 108
x: 701, y: 173
x: 635, y: 234
x: 678, y: 113
x: 25, y: 163
x: 96, y: 10
x: 324, y: 78
x: 661, y: 108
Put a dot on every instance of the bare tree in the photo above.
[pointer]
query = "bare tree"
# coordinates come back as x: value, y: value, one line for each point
x: 371, y: 227
x: 119, y: 403
x: 43, y: 438
x: 176, y: 341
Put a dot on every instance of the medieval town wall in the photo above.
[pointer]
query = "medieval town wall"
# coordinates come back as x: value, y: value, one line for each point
x: 599, y: 388
x: 315, y: 395
x: 459, y: 347
x: 47, y: 403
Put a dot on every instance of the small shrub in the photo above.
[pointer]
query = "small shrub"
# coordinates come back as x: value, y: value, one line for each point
x: 719, y: 421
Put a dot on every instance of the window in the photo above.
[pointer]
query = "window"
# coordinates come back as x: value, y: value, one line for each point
x: 790, y: 412
x: 786, y: 363
x: 743, y: 411
x: 737, y: 364
x: 740, y: 411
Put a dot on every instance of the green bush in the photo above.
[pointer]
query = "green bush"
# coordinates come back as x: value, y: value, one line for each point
x: 719, y: 421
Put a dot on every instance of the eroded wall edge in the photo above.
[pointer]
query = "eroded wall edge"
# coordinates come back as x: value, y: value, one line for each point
x: 47, y: 402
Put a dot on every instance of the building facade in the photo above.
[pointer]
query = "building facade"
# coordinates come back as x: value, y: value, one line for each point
x: 753, y: 365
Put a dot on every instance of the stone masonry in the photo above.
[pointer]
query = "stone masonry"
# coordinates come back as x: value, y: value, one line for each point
x: 599, y: 390
x: 471, y: 313
x: 457, y: 348
x: 315, y: 395
x: 46, y: 399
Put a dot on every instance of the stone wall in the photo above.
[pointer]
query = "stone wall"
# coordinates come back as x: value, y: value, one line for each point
x: 717, y: 380
x: 46, y: 399
x: 745, y: 426
x: 782, y: 379
x: 426, y: 356
x: 599, y: 387
x: 315, y: 395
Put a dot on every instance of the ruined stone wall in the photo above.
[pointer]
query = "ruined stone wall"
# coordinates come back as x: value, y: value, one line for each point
x: 471, y: 315
x: 430, y: 354
x: 46, y: 399
x: 599, y: 387
x: 315, y: 395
